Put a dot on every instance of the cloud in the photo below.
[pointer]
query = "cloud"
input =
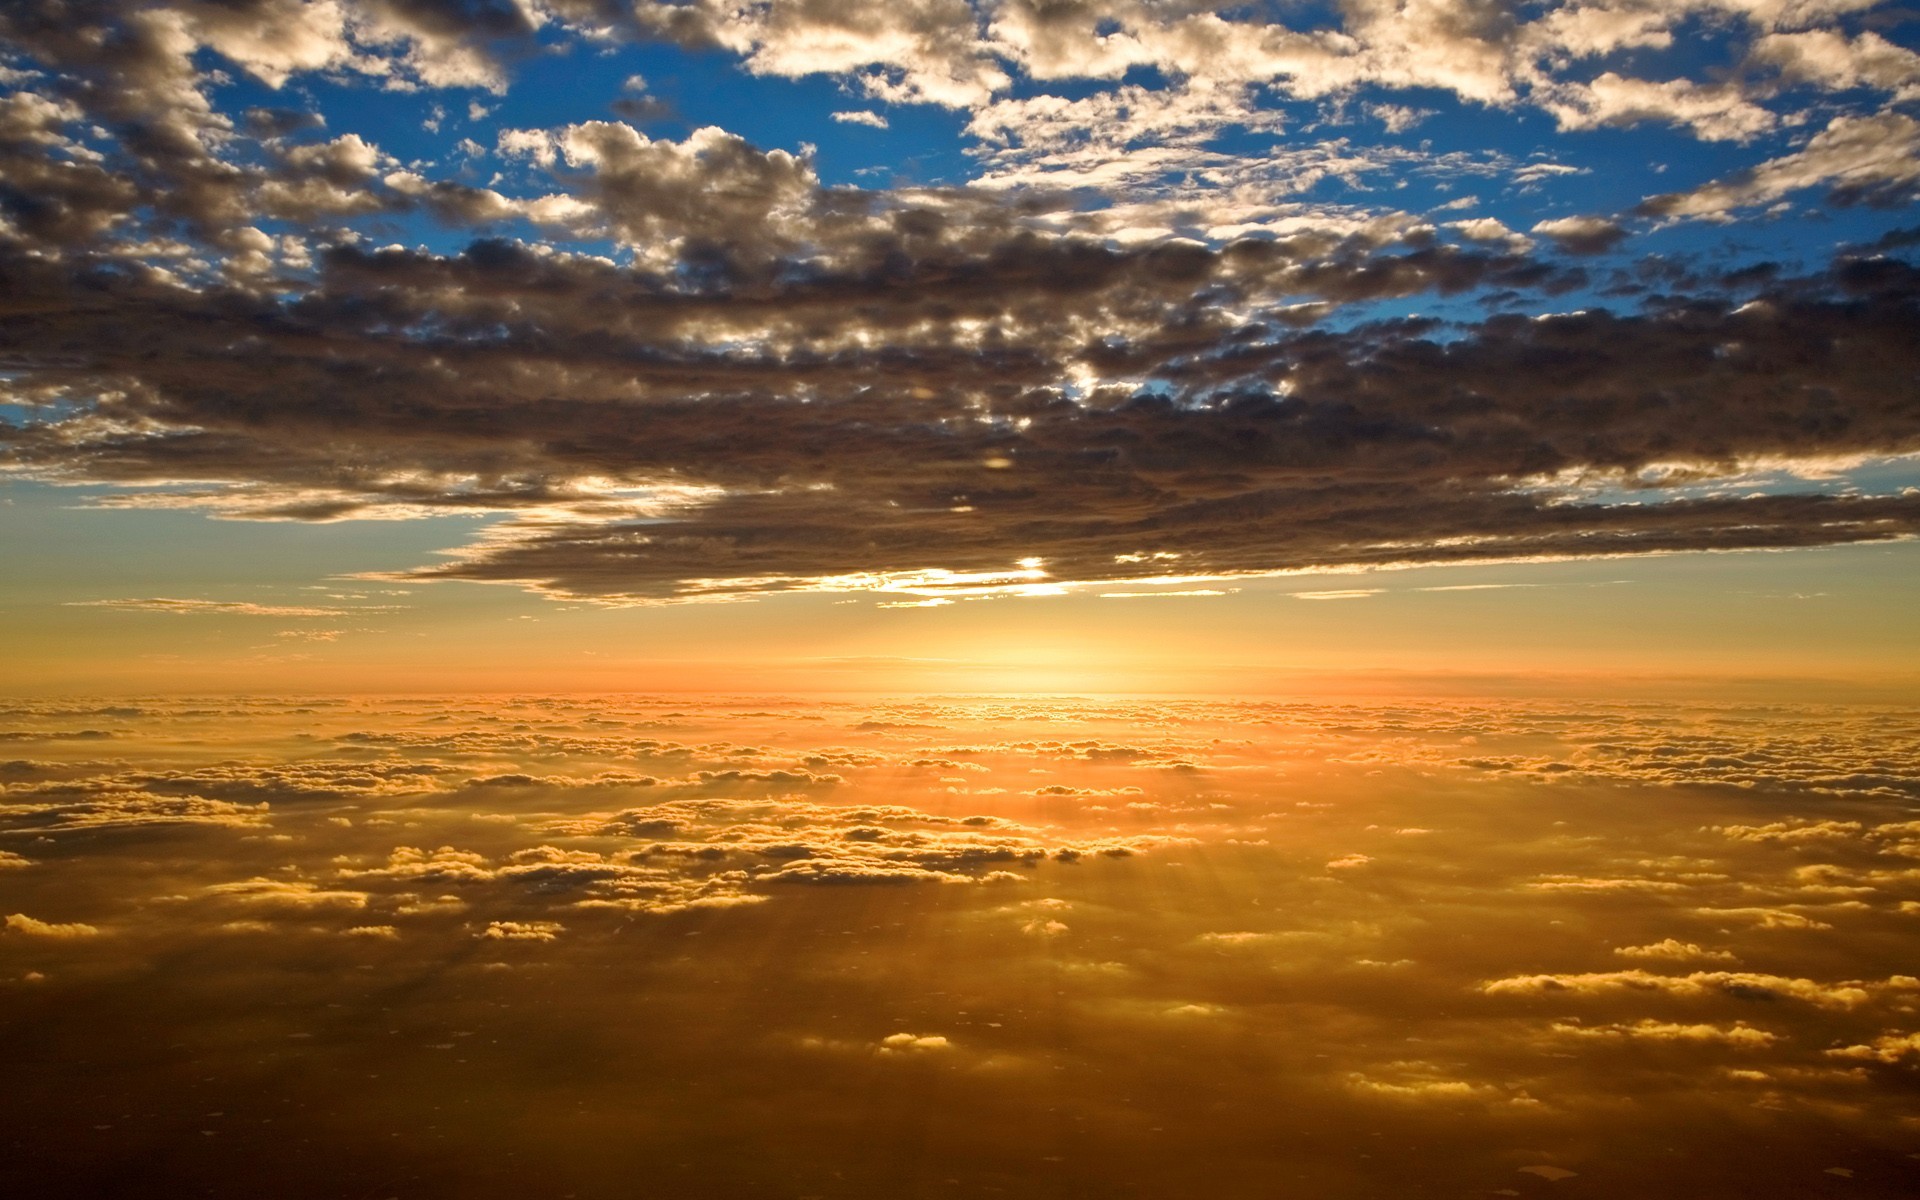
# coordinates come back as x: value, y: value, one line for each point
x: 1718, y: 112
x: 1793, y: 831
x: 1582, y: 883
x: 1777, y: 761
x: 1739, y: 1034
x: 1889, y: 1048
x: 1675, y: 950
x: 1830, y: 59
x: 523, y: 931
x: 1870, y: 160
x: 1766, y: 918
x: 691, y: 369
x: 1409, y: 994
x: 861, y: 117
x: 67, y: 808
x: 240, y: 608
x: 20, y: 923
x: 275, y: 893
x: 711, y: 193
x: 1490, y: 229
x: 1699, y: 984
x: 1218, y: 474
x: 715, y: 853
x: 925, y: 51
x: 1582, y: 235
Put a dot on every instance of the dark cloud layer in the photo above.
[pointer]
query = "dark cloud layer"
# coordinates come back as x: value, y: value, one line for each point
x: 577, y: 392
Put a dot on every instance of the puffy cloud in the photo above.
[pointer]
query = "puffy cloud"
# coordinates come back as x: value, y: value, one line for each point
x: 1873, y: 159
x: 1741, y: 985
x: 1582, y: 883
x: 1276, y: 448
x: 21, y: 923
x: 1675, y: 950
x: 1582, y: 235
x: 523, y: 931
x: 1490, y: 229
x: 1794, y: 831
x: 412, y: 905
x: 1441, y: 987
x: 67, y: 808
x: 859, y: 844
x: 1740, y: 1034
x: 1766, y: 918
x: 1888, y: 1048
x: 926, y: 51
x: 713, y: 193
x: 1830, y: 59
x: 284, y: 893
x: 275, y: 40
x: 1423, y: 1083
x: 1715, y: 112
x: 969, y: 377
x: 441, y: 866
x: 1837, y: 761
x: 130, y: 71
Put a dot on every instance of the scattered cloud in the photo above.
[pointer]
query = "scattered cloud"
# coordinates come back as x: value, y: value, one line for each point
x: 443, y: 856
x: 1861, y: 160
x: 235, y: 608
x: 1143, y: 320
x: 21, y: 923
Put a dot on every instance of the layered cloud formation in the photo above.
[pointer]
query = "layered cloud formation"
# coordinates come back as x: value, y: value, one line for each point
x: 1173, y: 323
x: 1099, y: 940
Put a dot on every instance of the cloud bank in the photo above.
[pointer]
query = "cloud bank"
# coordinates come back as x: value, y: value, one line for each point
x: 688, y: 367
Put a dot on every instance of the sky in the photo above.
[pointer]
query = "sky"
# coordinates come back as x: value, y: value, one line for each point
x: 1015, y: 599
x: 404, y: 345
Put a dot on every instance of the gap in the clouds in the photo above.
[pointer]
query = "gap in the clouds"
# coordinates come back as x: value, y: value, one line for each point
x: 1869, y: 476
x: 395, y: 121
x: 77, y: 544
x: 1701, y: 45
x: 49, y: 411
x: 709, y: 88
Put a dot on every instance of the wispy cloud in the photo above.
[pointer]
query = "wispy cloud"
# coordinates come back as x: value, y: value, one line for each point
x: 234, y: 608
